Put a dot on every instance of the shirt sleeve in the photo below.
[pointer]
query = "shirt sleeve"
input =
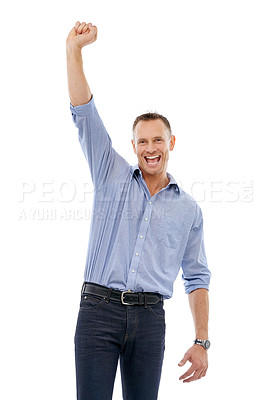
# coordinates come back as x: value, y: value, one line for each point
x: 195, y: 274
x: 105, y: 163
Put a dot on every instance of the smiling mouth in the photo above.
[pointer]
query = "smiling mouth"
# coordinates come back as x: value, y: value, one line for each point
x: 152, y: 160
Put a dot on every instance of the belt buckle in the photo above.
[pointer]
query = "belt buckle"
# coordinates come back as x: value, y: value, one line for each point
x: 122, y: 298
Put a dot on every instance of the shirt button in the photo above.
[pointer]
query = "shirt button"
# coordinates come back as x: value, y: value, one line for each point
x: 133, y: 271
x: 150, y: 202
x: 146, y: 219
x: 137, y: 254
x: 141, y: 237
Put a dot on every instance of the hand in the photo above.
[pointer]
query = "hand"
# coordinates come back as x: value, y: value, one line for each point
x: 198, y: 357
x: 81, y: 35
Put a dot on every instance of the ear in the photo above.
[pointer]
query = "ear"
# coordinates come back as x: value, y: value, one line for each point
x: 133, y: 145
x: 172, y: 142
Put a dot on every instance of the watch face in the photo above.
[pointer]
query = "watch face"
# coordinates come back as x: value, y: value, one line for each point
x: 207, y: 344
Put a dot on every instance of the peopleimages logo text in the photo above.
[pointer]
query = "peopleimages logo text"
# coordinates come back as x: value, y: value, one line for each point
x: 69, y: 200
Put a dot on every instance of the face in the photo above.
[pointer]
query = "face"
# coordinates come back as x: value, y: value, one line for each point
x: 152, y: 144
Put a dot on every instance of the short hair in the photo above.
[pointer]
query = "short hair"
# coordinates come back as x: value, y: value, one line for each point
x: 151, y: 116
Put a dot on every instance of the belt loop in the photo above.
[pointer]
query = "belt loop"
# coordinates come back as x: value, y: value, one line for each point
x: 109, y: 295
x: 145, y: 300
x: 83, y: 288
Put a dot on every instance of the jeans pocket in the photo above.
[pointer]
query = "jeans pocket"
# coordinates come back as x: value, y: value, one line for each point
x: 91, y: 302
x: 157, y: 310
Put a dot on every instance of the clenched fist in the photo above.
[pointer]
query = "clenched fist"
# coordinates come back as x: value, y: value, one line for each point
x: 81, y: 35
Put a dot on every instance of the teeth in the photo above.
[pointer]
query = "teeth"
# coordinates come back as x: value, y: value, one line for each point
x: 151, y: 158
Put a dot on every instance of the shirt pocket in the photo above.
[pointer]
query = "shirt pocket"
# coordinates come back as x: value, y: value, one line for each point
x: 170, y: 232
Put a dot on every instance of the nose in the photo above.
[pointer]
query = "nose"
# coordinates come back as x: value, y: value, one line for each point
x: 150, y: 148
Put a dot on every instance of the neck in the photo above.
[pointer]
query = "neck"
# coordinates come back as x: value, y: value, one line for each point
x: 155, y: 182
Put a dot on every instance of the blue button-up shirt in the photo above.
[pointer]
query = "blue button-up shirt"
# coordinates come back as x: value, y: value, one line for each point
x: 137, y: 242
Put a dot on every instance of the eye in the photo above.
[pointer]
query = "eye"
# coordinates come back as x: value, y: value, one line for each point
x: 158, y: 140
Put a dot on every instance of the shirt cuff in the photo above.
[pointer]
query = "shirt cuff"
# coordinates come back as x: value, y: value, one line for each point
x: 83, y: 109
x: 190, y: 289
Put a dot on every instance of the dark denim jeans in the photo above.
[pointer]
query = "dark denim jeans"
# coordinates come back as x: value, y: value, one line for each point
x: 106, y: 332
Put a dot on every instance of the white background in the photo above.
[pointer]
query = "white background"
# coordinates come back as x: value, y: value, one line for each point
x: 207, y: 66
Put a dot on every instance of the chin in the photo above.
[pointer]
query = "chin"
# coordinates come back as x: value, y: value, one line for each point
x: 151, y: 171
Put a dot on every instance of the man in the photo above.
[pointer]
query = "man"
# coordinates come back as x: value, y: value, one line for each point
x: 144, y: 228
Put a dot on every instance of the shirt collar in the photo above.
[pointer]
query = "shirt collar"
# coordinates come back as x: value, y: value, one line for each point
x: 172, y: 181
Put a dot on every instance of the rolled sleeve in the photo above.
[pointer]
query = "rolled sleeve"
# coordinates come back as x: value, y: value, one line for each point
x: 104, y: 162
x: 196, y: 274
x: 82, y: 110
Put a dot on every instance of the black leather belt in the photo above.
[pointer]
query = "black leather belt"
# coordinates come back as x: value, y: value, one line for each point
x: 127, y: 297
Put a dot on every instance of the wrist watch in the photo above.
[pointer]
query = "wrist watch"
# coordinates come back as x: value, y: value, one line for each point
x: 204, y: 343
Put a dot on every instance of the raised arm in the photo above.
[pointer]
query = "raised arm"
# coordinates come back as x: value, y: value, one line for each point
x: 81, y: 35
x: 105, y: 164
